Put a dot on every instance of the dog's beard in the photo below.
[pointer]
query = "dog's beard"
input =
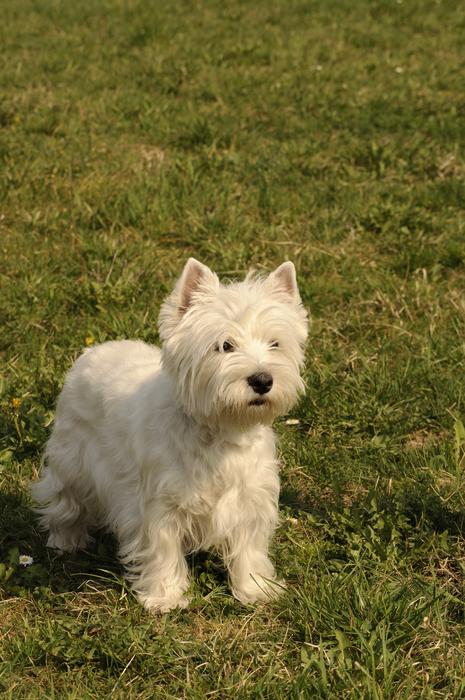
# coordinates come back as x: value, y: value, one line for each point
x: 248, y: 413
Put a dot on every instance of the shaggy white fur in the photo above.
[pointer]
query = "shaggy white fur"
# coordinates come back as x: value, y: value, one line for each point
x: 172, y: 450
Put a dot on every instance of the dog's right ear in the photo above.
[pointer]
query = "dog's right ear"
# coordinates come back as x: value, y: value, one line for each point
x: 195, y: 280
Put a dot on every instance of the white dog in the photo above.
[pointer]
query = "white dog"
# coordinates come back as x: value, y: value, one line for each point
x: 172, y: 450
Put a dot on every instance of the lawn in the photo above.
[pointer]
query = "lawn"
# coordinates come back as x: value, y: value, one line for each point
x: 328, y: 132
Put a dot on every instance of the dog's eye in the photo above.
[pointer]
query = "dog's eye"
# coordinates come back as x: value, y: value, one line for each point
x: 227, y: 346
x: 274, y: 344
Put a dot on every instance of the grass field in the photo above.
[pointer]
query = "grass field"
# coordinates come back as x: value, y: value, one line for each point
x: 329, y: 132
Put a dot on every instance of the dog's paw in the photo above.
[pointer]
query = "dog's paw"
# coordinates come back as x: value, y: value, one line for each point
x: 159, y: 605
x: 258, y: 589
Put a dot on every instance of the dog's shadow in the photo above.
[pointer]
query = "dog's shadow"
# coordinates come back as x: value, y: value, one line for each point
x: 297, y: 501
x: 21, y: 536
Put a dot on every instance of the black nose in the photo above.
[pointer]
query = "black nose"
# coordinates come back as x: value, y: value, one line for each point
x: 261, y: 382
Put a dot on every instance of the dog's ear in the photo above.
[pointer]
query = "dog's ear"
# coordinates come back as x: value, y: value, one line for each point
x: 195, y: 278
x: 283, y: 281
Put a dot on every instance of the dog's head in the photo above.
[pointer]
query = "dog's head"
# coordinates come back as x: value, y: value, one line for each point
x: 234, y: 350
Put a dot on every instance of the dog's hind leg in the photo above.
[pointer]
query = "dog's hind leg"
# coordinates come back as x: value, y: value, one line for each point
x: 61, y: 508
x: 60, y: 513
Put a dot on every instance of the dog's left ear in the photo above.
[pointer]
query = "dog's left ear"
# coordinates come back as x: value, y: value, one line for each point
x: 283, y: 280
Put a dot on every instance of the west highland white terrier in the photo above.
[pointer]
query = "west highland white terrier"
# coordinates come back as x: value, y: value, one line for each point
x: 172, y: 450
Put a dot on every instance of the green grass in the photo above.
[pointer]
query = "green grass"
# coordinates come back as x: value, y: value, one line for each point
x: 328, y: 132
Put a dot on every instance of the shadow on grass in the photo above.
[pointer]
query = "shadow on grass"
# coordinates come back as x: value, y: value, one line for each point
x: 20, y: 535
x: 297, y: 501
x: 411, y: 510
x: 424, y: 507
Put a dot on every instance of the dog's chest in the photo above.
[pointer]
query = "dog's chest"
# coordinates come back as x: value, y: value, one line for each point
x: 224, y: 488
x: 219, y: 484
x: 212, y: 514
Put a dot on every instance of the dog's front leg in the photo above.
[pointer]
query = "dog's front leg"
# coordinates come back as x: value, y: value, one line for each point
x: 162, y: 578
x: 251, y: 572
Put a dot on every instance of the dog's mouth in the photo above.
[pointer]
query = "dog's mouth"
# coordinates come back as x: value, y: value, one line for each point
x: 257, y: 402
